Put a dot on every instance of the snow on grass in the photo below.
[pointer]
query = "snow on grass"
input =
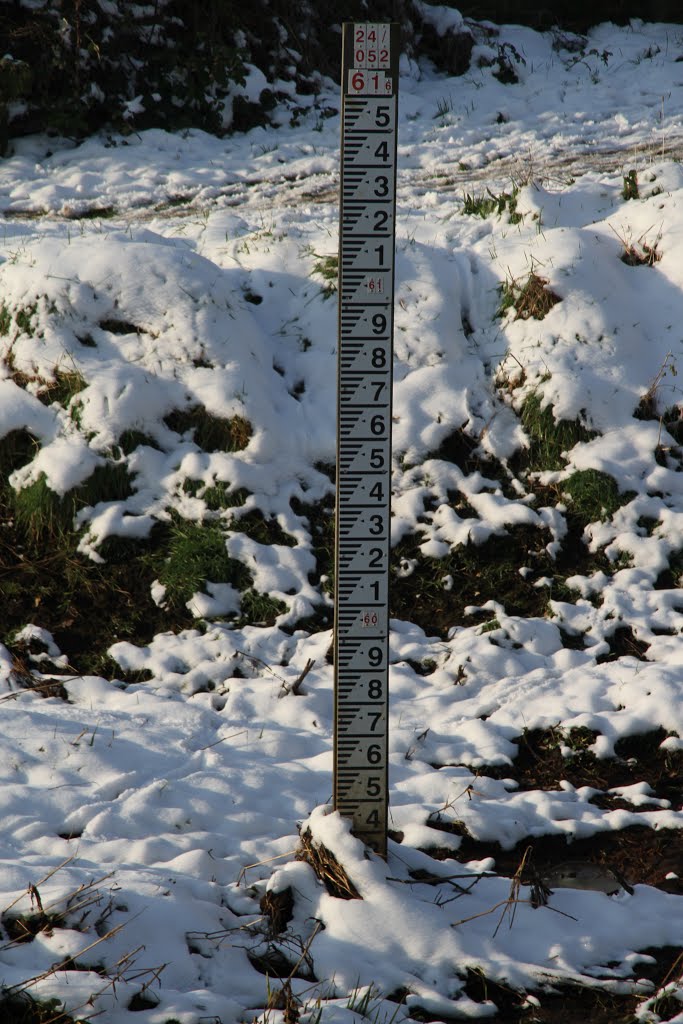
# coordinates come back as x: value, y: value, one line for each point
x: 169, y: 371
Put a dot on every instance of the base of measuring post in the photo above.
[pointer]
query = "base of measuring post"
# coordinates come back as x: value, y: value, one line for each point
x: 365, y: 358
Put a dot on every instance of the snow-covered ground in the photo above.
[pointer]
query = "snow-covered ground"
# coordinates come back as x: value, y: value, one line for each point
x: 176, y: 802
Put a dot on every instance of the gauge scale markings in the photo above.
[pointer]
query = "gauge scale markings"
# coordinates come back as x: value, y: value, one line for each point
x: 365, y: 355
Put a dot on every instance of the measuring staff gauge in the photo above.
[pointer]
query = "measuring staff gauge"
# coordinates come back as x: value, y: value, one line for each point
x: 370, y: 55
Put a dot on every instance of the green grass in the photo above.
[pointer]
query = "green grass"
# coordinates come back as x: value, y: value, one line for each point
x: 24, y: 318
x: 260, y: 609
x: 548, y: 437
x: 327, y: 267
x: 88, y: 607
x: 197, y: 553
x: 65, y: 386
x: 595, y: 496
x: 61, y: 388
x: 130, y: 440
x: 218, y: 495
x: 262, y: 530
x: 42, y: 514
x: 481, y: 573
x: 488, y: 203
x: 5, y: 320
x: 212, y: 433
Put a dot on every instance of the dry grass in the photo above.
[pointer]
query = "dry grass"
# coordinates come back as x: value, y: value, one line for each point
x: 327, y: 868
x: 639, y: 253
x: 532, y: 299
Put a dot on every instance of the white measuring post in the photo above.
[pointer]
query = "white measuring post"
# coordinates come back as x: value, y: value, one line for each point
x: 370, y: 55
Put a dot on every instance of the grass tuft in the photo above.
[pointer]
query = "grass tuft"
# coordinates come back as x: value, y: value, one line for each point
x: 487, y: 204
x: 42, y: 514
x: 212, y: 433
x: 595, y: 496
x: 5, y: 320
x: 97, y: 213
x: 119, y: 327
x: 639, y: 253
x: 630, y: 189
x: 16, y: 449
x: 130, y: 440
x: 533, y: 298
x: 64, y: 385
x: 327, y: 267
x: 260, y: 609
x: 23, y: 928
x: 549, y: 438
x: 217, y: 496
x: 327, y: 868
x: 197, y: 553
x: 24, y: 319
x: 262, y: 530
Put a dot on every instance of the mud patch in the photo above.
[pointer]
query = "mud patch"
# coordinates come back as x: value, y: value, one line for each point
x: 641, y: 855
x: 548, y: 757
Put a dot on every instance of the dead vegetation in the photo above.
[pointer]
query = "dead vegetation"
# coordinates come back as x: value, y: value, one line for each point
x: 639, y: 252
x: 327, y: 868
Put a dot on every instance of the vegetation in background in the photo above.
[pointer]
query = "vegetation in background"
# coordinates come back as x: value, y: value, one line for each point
x: 81, y: 66
x: 575, y: 15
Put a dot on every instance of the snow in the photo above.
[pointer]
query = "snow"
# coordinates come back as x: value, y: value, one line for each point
x: 178, y: 800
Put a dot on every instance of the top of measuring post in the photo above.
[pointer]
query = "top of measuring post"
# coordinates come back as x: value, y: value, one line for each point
x: 370, y: 55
